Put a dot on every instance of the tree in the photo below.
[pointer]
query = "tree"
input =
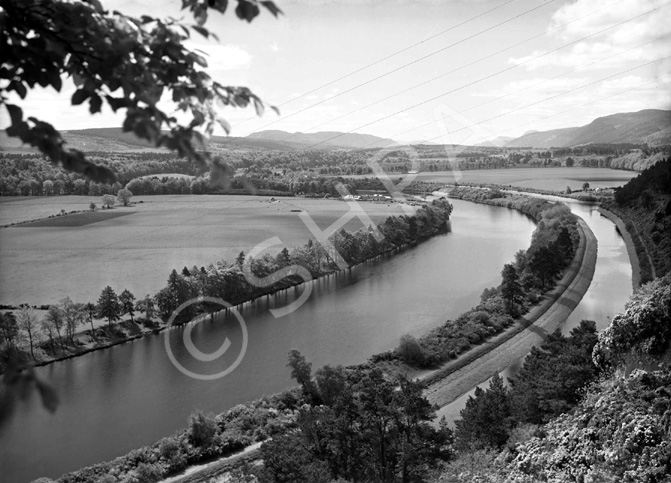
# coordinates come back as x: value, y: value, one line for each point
x: 108, y: 305
x: 569, y: 162
x: 92, y: 206
x: 73, y: 315
x: 127, y: 299
x: 585, y: 186
x: 27, y: 320
x: 283, y: 258
x: 240, y: 261
x: 301, y: 372
x: 125, y: 62
x: 511, y: 289
x: 48, y: 187
x: 9, y: 328
x: 54, y: 318
x: 550, y: 380
x: 544, y: 264
x: 108, y: 201
x: 202, y: 429
x: 485, y: 421
x: 124, y: 196
x: 146, y: 305
x: 91, y: 310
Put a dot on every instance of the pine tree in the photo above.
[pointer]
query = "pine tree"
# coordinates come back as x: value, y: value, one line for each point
x: 510, y: 286
x: 109, y: 306
x: 485, y: 421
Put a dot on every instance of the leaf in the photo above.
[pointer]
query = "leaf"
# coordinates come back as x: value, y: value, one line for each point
x: 200, y: 15
x: 95, y: 104
x: 258, y: 106
x: 116, y: 103
x: 272, y: 8
x: 79, y: 96
x: 55, y: 79
x: 276, y: 109
x: 224, y: 124
x: 202, y: 31
x: 218, y: 5
x: 15, y: 113
x: 48, y: 395
x: 96, y: 5
x: 246, y: 10
x: 79, y: 80
x: 19, y: 88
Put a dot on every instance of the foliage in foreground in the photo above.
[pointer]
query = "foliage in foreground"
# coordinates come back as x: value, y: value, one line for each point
x: 618, y: 431
x: 359, y: 426
x: 125, y: 62
x: 205, y: 437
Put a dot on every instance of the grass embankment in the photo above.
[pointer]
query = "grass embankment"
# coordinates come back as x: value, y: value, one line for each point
x: 532, y: 275
x: 455, y: 378
x: 633, y: 248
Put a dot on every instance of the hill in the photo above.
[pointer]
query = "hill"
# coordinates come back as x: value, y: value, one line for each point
x: 325, y: 138
x: 649, y: 126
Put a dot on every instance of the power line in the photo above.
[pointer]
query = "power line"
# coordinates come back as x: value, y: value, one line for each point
x: 561, y: 94
x: 408, y: 64
x: 388, y: 57
x: 453, y: 90
x: 479, y: 60
x: 538, y: 83
x: 658, y: 81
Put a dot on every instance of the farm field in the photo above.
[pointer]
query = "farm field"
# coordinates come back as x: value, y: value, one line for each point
x: 78, y: 255
x: 556, y: 179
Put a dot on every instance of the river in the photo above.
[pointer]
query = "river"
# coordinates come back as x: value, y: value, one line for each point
x: 121, y: 398
x: 610, y: 289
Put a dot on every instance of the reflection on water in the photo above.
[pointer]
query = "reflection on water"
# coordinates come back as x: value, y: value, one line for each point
x: 605, y: 297
x: 131, y: 395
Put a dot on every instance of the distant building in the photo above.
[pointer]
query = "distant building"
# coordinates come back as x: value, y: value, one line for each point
x: 373, y: 195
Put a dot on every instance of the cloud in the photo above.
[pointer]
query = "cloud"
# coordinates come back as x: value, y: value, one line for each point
x: 632, y: 35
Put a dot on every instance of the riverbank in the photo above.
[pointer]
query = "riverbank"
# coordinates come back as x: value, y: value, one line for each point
x: 456, y: 378
x: 629, y: 243
x: 246, y: 281
x: 476, y: 365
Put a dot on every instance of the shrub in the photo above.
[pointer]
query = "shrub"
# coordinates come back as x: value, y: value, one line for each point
x: 410, y: 351
x: 148, y: 473
x: 202, y: 429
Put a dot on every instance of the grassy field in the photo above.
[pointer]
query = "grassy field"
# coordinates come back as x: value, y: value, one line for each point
x: 78, y: 255
x: 556, y: 179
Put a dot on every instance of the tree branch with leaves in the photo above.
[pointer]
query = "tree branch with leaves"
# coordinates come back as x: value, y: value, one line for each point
x: 125, y: 62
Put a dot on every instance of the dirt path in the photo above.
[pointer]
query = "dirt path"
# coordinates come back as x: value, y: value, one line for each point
x: 213, y: 469
x: 461, y: 380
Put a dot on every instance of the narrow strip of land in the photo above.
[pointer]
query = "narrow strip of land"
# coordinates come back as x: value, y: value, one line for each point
x: 504, y: 350
x: 631, y: 247
x: 480, y: 363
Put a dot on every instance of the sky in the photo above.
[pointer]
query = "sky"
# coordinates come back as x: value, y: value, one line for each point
x: 451, y: 71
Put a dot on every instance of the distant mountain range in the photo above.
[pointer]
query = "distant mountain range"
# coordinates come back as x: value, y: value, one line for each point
x: 650, y: 126
x: 326, y: 138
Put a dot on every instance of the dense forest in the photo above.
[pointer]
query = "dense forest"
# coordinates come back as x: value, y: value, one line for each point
x: 644, y: 204
x: 309, y: 171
